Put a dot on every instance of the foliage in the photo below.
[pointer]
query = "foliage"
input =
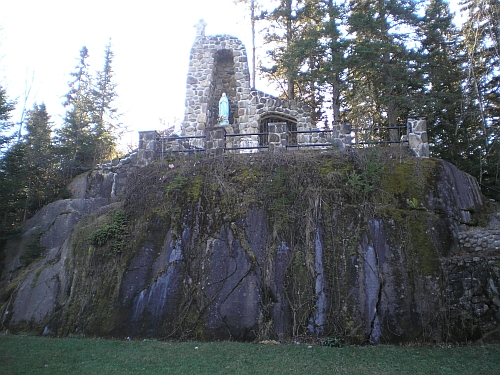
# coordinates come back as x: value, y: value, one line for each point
x: 114, y: 230
x: 6, y: 107
x: 373, y: 63
x: 413, y: 203
x: 87, y: 136
x: 177, y: 184
x: 335, y: 342
x: 35, y: 170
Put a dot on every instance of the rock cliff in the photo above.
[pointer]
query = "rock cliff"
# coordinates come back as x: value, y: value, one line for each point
x: 371, y: 245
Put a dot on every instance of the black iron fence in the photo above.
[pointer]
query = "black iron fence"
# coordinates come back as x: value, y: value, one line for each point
x: 358, y: 138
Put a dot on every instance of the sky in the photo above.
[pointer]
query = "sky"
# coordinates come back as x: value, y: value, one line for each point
x: 40, y: 42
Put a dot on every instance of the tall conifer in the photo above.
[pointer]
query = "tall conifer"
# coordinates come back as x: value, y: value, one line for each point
x: 380, y: 62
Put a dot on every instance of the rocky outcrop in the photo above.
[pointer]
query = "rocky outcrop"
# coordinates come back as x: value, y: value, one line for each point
x: 255, y: 247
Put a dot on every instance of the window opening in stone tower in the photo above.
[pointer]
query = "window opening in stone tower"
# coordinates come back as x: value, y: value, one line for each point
x: 264, y: 128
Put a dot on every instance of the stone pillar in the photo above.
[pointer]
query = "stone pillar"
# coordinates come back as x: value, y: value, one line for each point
x: 147, y: 147
x: 216, y: 140
x: 417, y: 136
x: 276, y: 139
x: 249, y: 141
x: 341, y: 135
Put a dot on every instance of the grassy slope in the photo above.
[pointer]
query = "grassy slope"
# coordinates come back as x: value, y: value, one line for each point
x: 35, y: 355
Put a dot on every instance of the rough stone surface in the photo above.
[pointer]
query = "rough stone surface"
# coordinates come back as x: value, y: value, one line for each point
x: 236, y: 282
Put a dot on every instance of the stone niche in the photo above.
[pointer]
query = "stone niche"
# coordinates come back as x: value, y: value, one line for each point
x: 219, y: 64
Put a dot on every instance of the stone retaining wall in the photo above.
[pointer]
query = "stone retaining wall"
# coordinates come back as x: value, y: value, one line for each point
x: 482, y: 240
x: 472, y: 296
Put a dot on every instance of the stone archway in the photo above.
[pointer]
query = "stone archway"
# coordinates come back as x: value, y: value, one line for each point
x: 277, y: 117
x: 224, y: 81
x: 217, y: 63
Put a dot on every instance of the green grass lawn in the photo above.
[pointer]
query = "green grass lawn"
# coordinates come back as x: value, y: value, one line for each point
x: 36, y: 355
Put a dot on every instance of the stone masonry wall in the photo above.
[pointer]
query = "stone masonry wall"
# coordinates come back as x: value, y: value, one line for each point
x: 219, y: 64
x: 482, y: 240
x: 472, y: 297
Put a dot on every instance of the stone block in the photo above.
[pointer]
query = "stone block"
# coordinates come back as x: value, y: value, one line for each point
x: 202, y: 117
x: 424, y: 137
x: 414, y: 140
x: 273, y: 138
x: 420, y: 125
x: 423, y: 150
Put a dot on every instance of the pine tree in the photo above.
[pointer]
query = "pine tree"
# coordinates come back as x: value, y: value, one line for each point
x: 7, y: 187
x: 334, y: 62
x: 44, y: 180
x: 12, y: 184
x: 280, y: 34
x: 380, y: 63
x: 481, y: 33
x: 308, y: 57
x: 441, y: 100
x: 77, y: 144
x: 308, y: 53
x: 6, y: 107
x: 106, y: 116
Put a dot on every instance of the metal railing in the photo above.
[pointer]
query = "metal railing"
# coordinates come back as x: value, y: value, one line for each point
x: 290, y: 145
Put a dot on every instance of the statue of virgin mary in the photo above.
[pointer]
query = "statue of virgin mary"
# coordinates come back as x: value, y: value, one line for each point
x: 223, y: 110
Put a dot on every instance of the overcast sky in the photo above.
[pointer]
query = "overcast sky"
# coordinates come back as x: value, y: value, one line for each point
x: 151, y: 40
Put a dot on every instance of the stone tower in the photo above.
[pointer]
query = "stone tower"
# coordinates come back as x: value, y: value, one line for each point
x: 218, y: 64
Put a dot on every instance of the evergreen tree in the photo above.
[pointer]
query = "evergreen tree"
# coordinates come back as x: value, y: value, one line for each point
x: 308, y: 60
x: 281, y: 33
x: 380, y: 63
x: 308, y: 53
x: 77, y: 144
x: 92, y: 122
x: 6, y: 107
x: 12, y: 184
x: 44, y: 181
x: 8, y: 189
x: 334, y: 47
x: 106, y: 116
x: 481, y: 33
x: 441, y: 100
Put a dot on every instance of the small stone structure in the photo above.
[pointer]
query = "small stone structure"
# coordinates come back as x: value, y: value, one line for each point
x: 219, y: 64
x: 218, y: 68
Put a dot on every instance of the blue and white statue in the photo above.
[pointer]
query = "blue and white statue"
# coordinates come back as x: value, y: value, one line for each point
x: 223, y: 110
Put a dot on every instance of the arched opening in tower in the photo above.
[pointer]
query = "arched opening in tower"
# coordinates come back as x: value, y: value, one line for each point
x: 278, y: 118
x: 224, y: 81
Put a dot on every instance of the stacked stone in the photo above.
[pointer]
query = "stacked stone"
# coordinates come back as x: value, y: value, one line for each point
x: 153, y: 146
x: 481, y: 240
x: 277, y: 136
x: 472, y: 292
x: 247, y: 107
x: 201, y: 88
x: 216, y: 140
x: 417, y: 136
x: 147, y: 147
x: 341, y: 136
x: 263, y: 104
